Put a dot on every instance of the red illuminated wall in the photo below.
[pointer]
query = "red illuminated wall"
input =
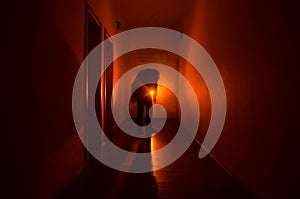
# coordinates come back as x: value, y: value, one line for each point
x: 43, y: 49
x: 254, y: 46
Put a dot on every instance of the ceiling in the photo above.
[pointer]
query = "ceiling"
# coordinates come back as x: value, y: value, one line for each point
x: 167, y: 13
x: 172, y: 14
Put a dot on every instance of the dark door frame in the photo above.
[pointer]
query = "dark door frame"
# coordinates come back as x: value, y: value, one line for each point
x: 93, y: 36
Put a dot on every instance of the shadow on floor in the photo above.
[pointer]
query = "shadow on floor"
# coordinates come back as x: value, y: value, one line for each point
x: 187, y: 178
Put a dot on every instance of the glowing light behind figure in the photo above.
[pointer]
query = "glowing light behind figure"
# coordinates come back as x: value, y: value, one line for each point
x: 152, y: 93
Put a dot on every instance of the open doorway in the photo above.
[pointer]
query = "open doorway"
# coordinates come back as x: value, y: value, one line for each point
x: 95, y: 34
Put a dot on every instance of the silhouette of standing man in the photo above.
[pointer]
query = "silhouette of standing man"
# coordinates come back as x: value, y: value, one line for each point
x: 145, y: 93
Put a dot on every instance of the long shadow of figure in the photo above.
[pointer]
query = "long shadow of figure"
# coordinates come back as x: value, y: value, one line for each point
x: 140, y: 185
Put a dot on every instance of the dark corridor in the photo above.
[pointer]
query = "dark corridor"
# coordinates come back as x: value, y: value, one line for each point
x: 255, y: 46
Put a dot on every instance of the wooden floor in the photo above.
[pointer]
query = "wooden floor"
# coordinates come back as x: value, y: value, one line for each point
x: 187, y: 178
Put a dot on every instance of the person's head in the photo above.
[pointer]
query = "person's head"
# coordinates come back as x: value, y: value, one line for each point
x: 148, y: 75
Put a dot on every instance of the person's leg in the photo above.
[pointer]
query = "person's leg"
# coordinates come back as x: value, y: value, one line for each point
x: 140, y: 111
x: 148, y: 105
x: 149, y: 129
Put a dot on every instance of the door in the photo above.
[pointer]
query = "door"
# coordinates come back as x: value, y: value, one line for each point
x: 94, y: 36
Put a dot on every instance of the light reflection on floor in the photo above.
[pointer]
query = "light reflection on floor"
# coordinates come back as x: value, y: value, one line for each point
x: 154, y: 160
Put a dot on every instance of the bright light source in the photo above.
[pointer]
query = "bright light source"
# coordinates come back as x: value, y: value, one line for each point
x: 152, y: 92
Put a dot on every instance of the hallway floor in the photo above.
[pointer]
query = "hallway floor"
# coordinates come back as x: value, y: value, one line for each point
x: 187, y: 178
